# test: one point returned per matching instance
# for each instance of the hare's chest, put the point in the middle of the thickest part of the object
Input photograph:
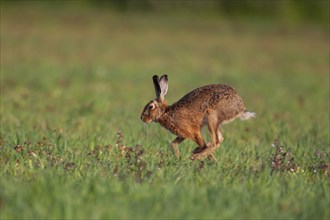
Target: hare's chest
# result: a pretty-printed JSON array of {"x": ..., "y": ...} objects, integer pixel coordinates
[{"x": 178, "y": 126}]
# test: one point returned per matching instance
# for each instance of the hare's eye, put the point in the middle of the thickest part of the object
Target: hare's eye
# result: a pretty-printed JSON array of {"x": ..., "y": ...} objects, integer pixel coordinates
[{"x": 150, "y": 107}]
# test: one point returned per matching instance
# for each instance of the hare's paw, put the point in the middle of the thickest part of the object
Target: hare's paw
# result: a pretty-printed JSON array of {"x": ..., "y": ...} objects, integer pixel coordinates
[
  {"x": 199, "y": 150},
  {"x": 207, "y": 152}
]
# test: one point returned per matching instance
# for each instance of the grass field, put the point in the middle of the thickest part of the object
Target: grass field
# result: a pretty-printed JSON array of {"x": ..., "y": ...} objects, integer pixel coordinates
[{"x": 73, "y": 85}]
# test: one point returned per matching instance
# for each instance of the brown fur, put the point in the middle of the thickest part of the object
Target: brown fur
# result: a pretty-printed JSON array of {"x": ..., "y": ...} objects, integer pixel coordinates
[{"x": 210, "y": 105}]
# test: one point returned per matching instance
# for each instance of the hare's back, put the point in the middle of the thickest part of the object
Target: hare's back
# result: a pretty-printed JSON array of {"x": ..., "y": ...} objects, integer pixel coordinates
[{"x": 219, "y": 97}]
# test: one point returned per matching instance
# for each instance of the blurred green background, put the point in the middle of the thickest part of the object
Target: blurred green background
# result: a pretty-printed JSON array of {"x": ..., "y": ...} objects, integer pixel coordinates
[{"x": 75, "y": 76}]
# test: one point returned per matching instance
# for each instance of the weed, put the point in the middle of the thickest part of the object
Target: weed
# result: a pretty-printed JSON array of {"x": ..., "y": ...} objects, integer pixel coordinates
[
  {"x": 320, "y": 163},
  {"x": 133, "y": 157},
  {"x": 282, "y": 160}
]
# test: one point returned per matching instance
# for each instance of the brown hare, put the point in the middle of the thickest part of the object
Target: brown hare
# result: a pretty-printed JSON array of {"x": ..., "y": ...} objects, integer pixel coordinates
[{"x": 211, "y": 105}]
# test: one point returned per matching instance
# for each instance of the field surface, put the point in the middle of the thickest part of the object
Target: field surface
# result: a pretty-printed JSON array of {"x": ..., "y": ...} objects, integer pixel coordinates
[{"x": 73, "y": 85}]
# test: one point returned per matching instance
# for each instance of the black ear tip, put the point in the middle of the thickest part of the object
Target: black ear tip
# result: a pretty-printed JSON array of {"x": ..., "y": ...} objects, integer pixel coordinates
[
  {"x": 164, "y": 77},
  {"x": 155, "y": 77}
]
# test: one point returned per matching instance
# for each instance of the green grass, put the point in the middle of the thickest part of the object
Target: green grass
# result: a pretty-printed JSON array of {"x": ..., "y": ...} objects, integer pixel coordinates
[{"x": 72, "y": 79}]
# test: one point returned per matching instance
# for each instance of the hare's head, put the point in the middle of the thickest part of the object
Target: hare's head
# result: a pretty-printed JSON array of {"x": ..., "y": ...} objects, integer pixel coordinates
[{"x": 155, "y": 108}]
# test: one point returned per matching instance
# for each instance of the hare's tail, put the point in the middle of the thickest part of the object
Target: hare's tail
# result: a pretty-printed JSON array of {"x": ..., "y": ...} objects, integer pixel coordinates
[{"x": 247, "y": 115}]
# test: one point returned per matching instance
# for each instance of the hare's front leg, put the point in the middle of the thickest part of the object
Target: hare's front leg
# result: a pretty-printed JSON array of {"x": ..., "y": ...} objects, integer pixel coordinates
[
  {"x": 216, "y": 139},
  {"x": 198, "y": 139},
  {"x": 174, "y": 146}
]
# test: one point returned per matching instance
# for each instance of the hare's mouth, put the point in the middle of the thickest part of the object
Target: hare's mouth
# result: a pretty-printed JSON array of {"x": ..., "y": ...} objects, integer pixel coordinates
[{"x": 146, "y": 120}]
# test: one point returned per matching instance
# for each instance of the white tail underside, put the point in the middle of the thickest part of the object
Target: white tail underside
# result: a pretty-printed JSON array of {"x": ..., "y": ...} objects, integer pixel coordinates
[{"x": 246, "y": 115}]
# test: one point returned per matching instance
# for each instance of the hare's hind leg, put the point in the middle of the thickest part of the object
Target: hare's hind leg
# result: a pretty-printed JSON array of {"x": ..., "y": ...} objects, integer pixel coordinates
[
  {"x": 215, "y": 134},
  {"x": 175, "y": 147},
  {"x": 220, "y": 137}
]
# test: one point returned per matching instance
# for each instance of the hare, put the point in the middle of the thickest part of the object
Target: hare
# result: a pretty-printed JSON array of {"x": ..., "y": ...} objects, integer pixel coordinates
[{"x": 211, "y": 105}]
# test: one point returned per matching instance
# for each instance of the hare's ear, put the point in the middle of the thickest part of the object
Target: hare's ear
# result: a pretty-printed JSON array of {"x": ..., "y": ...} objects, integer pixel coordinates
[
  {"x": 163, "y": 83},
  {"x": 155, "y": 80}
]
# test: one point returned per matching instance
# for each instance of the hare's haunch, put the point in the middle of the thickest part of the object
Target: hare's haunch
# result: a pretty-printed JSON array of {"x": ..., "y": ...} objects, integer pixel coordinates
[{"x": 211, "y": 106}]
